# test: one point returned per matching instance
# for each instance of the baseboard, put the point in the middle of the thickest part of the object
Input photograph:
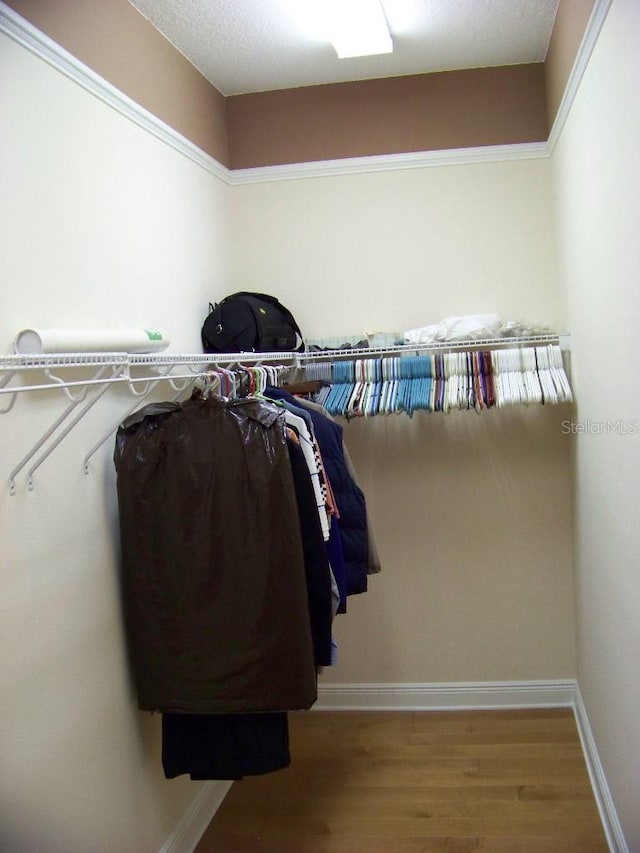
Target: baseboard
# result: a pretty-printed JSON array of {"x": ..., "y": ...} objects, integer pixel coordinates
[
  {"x": 446, "y": 696},
  {"x": 185, "y": 837},
  {"x": 431, "y": 697},
  {"x": 604, "y": 800}
]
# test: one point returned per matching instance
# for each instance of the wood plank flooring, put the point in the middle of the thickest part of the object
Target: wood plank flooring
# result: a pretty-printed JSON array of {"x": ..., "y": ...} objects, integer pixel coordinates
[{"x": 418, "y": 782}]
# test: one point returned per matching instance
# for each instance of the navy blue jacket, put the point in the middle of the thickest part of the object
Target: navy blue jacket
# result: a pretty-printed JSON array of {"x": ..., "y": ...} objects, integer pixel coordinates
[{"x": 350, "y": 499}]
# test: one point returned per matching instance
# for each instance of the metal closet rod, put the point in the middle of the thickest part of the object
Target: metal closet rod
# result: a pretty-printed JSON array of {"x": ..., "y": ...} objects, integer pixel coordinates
[
  {"x": 25, "y": 362},
  {"x": 109, "y": 371},
  {"x": 112, "y": 368},
  {"x": 122, "y": 363},
  {"x": 82, "y": 359}
]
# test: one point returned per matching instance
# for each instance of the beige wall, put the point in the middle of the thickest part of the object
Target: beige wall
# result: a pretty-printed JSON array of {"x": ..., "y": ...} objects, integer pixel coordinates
[
  {"x": 101, "y": 225},
  {"x": 472, "y": 513},
  {"x": 397, "y": 249},
  {"x": 472, "y": 517},
  {"x": 118, "y": 43},
  {"x": 597, "y": 185}
]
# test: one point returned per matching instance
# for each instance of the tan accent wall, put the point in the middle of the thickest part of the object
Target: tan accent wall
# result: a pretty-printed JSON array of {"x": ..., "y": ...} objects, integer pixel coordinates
[
  {"x": 569, "y": 27},
  {"x": 458, "y": 109},
  {"x": 120, "y": 45}
]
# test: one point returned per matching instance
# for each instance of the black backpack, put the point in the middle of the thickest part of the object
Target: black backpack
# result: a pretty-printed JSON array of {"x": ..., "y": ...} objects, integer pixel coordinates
[{"x": 250, "y": 322}]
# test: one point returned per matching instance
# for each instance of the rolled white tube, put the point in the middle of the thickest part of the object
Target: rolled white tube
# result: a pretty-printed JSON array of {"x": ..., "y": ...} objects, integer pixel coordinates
[{"x": 37, "y": 341}]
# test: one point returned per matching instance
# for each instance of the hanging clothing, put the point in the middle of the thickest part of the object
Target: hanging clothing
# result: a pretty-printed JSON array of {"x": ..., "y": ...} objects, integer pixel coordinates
[
  {"x": 306, "y": 443},
  {"x": 349, "y": 497},
  {"x": 224, "y": 746},
  {"x": 317, "y": 569},
  {"x": 331, "y": 535},
  {"x": 374, "y": 565},
  {"x": 213, "y": 573}
]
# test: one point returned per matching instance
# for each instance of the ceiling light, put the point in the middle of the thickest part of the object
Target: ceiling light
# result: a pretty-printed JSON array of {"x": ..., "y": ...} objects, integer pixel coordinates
[{"x": 357, "y": 27}]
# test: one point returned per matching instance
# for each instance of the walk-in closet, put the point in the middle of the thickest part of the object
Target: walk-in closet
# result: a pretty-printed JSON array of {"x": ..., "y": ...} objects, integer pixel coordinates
[{"x": 499, "y": 470}]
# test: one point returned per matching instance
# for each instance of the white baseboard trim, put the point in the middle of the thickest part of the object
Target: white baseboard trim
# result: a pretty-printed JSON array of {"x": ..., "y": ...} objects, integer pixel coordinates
[
  {"x": 604, "y": 800},
  {"x": 493, "y": 695},
  {"x": 446, "y": 696},
  {"x": 187, "y": 834}
]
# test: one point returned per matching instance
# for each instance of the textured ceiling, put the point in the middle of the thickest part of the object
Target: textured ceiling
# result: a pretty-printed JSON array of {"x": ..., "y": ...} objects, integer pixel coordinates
[{"x": 256, "y": 45}]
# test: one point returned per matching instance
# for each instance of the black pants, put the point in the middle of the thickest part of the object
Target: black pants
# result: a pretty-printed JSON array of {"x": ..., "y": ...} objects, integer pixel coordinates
[{"x": 224, "y": 746}]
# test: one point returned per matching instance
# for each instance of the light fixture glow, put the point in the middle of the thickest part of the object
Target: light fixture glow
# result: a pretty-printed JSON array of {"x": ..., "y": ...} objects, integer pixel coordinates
[{"x": 357, "y": 27}]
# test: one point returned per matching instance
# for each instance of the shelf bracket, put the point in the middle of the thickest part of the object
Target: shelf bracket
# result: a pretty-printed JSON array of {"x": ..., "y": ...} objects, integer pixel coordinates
[{"x": 60, "y": 420}]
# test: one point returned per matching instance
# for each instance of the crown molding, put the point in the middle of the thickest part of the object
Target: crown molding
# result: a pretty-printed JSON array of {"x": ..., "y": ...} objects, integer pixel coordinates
[
  {"x": 591, "y": 35},
  {"x": 390, "y": 162},
  {"x": 23, "y": 32},
  {"x": 30, "y": 37}
]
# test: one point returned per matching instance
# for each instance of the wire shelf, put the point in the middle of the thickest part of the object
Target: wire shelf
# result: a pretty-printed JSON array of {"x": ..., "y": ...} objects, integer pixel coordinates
[{"x": 110, "y": 368}]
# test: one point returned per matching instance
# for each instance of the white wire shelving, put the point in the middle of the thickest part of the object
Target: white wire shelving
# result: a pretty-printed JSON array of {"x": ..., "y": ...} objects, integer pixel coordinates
[{"x": 86, "y": 377}]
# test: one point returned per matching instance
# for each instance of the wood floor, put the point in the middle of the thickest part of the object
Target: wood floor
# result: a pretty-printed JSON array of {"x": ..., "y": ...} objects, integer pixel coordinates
[{"x": 418, "y": 782}]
